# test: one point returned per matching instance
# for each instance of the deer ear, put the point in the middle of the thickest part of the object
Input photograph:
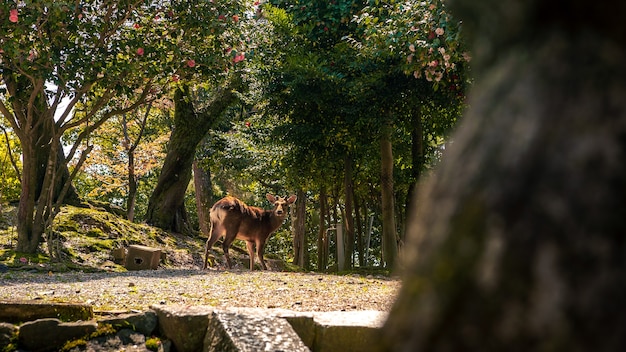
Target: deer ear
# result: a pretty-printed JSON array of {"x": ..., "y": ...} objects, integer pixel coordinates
[
  {"x": 271, "y": 198},
  {"x": 292, "y": 199}
]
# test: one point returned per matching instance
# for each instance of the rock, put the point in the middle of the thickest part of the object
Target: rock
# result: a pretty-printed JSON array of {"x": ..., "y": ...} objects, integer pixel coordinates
[
  {"x": 131, "y": 337},
  {"x": 144, "y": 323},
  {"x": 185, "y": 326},
  {"x": 18, "y": 312},
  {"x": 8, "y": 334},
  {"x": 50, "y": 334},
  {"x": 123, "y": 340},
  {"x": 347, "y": 331},
  {"x": 232, "y": 332}
]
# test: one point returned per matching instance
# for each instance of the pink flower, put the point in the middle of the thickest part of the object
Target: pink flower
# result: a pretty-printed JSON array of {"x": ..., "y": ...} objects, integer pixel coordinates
[
  {"x": 13, "y": 15},
  {"x": 433, "y": 63},
  {"x": 140, "y": 51},
  {"x": 439, "y": 31},
  {"x": 191, "y": 63},
  {"x": 23, "y": 260},
  {"x": 239, "y": 57},
  {"x": 175, "y": 78}
]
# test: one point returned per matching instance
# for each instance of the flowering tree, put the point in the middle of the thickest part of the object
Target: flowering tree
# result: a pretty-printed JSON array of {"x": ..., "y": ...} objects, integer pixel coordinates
[
  {"x": 423, "y": 35},
  {"x": 57, "y": 54}
]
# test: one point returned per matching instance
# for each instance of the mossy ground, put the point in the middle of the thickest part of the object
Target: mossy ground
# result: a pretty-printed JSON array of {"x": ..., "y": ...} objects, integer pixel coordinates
[{"x": 84, "y": 239}]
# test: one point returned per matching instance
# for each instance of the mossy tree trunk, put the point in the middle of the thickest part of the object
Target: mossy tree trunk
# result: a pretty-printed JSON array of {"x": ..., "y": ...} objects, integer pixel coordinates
[{"x": 166, "y": 208}]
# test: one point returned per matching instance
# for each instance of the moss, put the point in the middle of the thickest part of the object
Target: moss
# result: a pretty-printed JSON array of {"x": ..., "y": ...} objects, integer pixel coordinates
[
  {"x": 73, "y": 344},
  {"x": 153, "y": 343},
  {"x": 12, "y": 345}
]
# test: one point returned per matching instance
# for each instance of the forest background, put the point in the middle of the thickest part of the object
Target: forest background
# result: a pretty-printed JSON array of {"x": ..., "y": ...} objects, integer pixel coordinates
[{"x": 157, "y": 109}]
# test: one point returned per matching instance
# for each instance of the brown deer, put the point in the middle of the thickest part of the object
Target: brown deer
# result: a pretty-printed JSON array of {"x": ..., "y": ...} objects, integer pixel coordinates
[{"x": 232, "y": 218}]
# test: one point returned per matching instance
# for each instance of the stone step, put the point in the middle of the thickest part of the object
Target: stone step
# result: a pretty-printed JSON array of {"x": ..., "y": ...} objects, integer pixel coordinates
[
  {"x": 19, "y": 312},
  {"x": 317, "y": 331},
  {"x": 201, "y": 328}
]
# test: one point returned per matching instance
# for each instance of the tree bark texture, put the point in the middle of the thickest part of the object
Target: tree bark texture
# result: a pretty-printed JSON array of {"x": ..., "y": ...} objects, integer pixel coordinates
[
  {"x": 349, "y": 217},
  {"x": 299, "y": 240},
  {"x": 322, "y": 239},
  {"x": 204, "y": 196},
  {"x": 359, "y": 229},
  {"x": 166, "y": 208},
  {"x": 417, "y": 161},
  {"x": 518, "y": 241},
  {"x": 390, "y": 244}
]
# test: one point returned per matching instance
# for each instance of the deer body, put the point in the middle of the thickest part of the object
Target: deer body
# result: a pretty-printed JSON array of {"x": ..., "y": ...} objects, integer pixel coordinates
[{"x": 231, "y": 218}]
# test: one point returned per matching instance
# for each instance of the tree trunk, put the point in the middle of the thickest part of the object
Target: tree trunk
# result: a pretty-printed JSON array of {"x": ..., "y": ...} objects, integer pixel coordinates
[
  {"x": 132, "y": 187},
  {"x": 390, "y": 236},
  {"x": 204, "y": 196},
  {"x": 166, "y": 207},
  {"x": 349, "y": 218},
  {"x": 518, "y": 243},
  {"x": 28, "y": 237},
  {"x": 417, "y": 162},
  {"x": 359, "y": 230},
  {"x": 299, "y": 239},
  {"x": 322, "y": 241}
]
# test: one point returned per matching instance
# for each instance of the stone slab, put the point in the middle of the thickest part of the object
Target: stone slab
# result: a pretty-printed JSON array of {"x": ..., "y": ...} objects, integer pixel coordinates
[
  {"x": 234, "y": 332},
  {"x": 185, "y": 326},
  {"x": 353, "y": 331},
  {"x": 19, "y": 312},
  {"x": 50, "y": 334}
]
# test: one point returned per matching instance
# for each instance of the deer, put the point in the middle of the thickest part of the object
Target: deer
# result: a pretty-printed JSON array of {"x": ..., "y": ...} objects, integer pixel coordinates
[{"x": 231, "y": 218}]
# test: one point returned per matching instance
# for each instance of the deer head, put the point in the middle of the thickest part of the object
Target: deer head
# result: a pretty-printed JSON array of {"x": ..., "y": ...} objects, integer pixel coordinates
[{"x": 280, "y": 204}]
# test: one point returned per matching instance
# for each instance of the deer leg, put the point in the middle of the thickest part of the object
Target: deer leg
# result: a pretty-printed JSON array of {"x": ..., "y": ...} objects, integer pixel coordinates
[
  {"x": 228, "y": 240},
  {"x": 260, "y": 250},
  {"x": 214, "y": 234},
  {"x": 250, "y": 245}
]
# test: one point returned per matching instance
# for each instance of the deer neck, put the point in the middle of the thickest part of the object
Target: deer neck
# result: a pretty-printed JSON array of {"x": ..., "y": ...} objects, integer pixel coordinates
[{"x": 277, "y": 220}]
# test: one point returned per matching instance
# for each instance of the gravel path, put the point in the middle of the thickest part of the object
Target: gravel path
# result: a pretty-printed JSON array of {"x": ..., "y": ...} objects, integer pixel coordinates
[{"x": 139, "y": 290}]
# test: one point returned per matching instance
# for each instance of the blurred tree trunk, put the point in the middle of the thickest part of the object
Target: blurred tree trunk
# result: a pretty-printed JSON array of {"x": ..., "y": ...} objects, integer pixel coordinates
[{"x": 518, "y": 243}]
